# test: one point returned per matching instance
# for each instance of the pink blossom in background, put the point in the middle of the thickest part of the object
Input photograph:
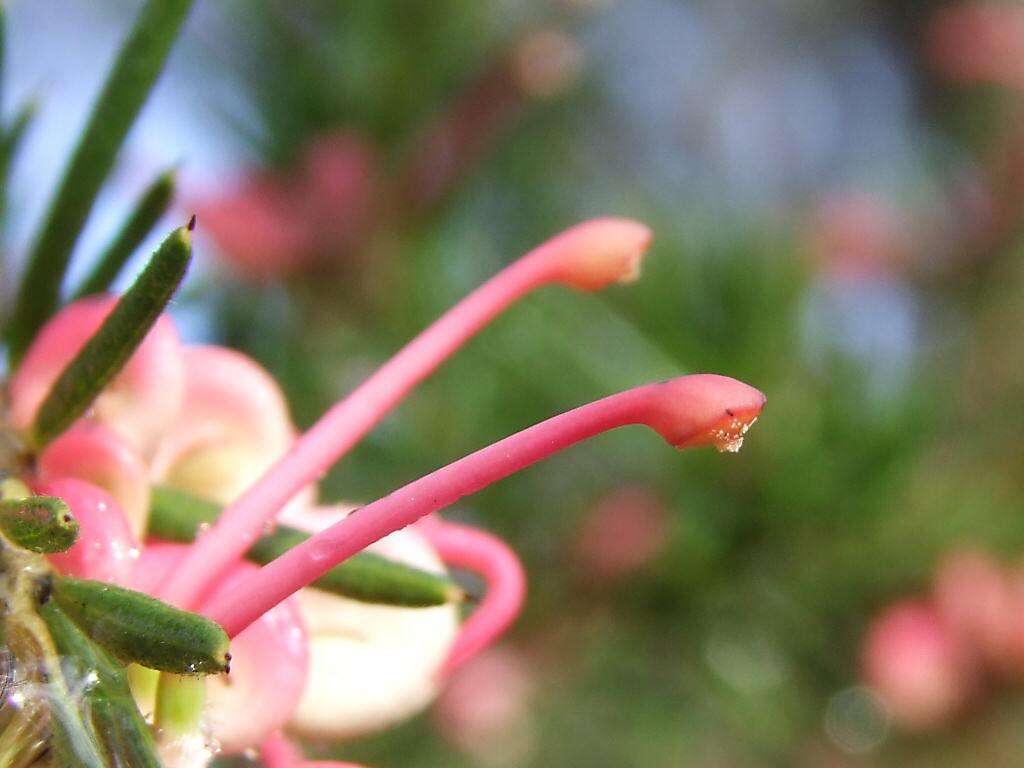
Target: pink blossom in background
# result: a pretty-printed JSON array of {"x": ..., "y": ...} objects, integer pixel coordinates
[
  {"x": 272, "y": 224},
  {"x": 975, "y": 599},
  {"x": 621, "y": 534},
  {"x": 917, "y": 666},
  {"x": 485, "y": 708},
  {"x": 859, "y": 236},
  {"x": 982, "y": 42}
]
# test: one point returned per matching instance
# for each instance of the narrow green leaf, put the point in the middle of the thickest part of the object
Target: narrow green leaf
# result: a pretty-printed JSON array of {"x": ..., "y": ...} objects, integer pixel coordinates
[
  {"x": 153, "y": 204},
  {"x": 106, "y": 352},
  {"x": 10, "y": 141},
  {"x": 138, "y": 64},
  {"x": 123, "y": 732},
  {"x": 135, "y": 627},
  {"x": 38, "y": 523},
  {"x": 367, "y": 577}
]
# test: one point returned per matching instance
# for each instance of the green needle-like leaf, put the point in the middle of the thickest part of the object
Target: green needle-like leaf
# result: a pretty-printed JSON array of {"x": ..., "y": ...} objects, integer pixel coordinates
[
  {"x": 135, "y": 70},
  {"x": 122, "y": 731},
  {"x": 9, "y": 143},
  {"x": 106, "y": 352},
  {"x": 135, "y": 627},
  {"x": 38, "y": 523},
  {"x": 147, "y": 211}
]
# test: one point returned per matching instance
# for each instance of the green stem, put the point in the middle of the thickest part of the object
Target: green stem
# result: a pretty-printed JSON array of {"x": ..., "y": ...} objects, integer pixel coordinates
[
  {"x": 135, "y": 71},
  {"x": 179, "y": 705}
]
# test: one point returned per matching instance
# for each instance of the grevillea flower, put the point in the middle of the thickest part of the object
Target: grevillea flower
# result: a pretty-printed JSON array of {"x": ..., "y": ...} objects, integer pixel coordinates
[
  {"x": 305, "y": 660},
  {"x": 172, "y": 586}
]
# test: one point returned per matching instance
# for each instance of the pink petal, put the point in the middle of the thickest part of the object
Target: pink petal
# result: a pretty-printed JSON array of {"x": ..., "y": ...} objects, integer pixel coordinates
[
  {"x": 235, "y": 425},
  {"x": 91, "y": 452},
  {"x": 138, "y": 404}
]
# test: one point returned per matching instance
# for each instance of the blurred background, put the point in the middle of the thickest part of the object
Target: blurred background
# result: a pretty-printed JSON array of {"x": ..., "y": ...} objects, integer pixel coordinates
[{"x": 836, "y": 189}]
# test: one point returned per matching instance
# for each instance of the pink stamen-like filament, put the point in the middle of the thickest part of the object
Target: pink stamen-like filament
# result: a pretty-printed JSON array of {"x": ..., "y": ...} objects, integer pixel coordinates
[
  {"x": 587, "y": 256},
  {"x": 688, "y": 411},
  {"x": 472, "y": 549}
]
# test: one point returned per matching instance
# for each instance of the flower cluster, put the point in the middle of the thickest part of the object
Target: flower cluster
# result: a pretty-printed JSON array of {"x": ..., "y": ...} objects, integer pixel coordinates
[{"x": 207, "y": 424}]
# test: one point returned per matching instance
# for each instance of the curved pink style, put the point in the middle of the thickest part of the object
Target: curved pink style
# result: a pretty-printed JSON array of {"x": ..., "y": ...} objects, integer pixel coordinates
[
  {"x": 269, "y": 663},
  {"x": 105, "y": 550},
  {"x": 463, "y": 546},
  {"x": 92, "y": 452},
  {"x": 142, "y": 399},
  {"x": 587, "y": 256},
  {"x": 703, "y": 409}
]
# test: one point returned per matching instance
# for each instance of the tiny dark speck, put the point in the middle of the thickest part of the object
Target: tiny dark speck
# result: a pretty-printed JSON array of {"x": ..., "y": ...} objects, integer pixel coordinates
[{"x": 729, "y": 411}]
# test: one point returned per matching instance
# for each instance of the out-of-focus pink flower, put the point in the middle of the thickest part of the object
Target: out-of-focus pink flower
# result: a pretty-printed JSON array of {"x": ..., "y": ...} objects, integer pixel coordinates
[
  {"x": 857, "y": 236},
  {"x": 917, "y": 666},
  {"x": 978, "y": 43},
  {"x": 343, "y": 189},
  {"x": 484, "y": 709},
  {"x": 274, "y": 224},
  {"x": 105, "y": 550},
  {"x": 974, "y": 599},
  {"x": 622, "y": 533}
]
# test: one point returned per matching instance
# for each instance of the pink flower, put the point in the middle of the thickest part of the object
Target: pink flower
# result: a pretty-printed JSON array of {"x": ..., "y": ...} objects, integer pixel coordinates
[
  {"x": 624, "y": 531},
  {"x": 274, "y": 224},
  {"x": 917, "y": 666},
  {"x": 975, "y": 599},
  {"x": 857, "y": 236},
  {"x": 210, "y": 421},
  {"x": 485, "y": 708},
  {"x": 978, "y": 42}
]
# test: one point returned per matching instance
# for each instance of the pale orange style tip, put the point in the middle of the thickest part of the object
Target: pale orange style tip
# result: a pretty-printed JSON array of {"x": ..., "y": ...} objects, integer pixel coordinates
[
  {"x": 706, "y": 409},
  {"x": 599, "y": 252}
]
